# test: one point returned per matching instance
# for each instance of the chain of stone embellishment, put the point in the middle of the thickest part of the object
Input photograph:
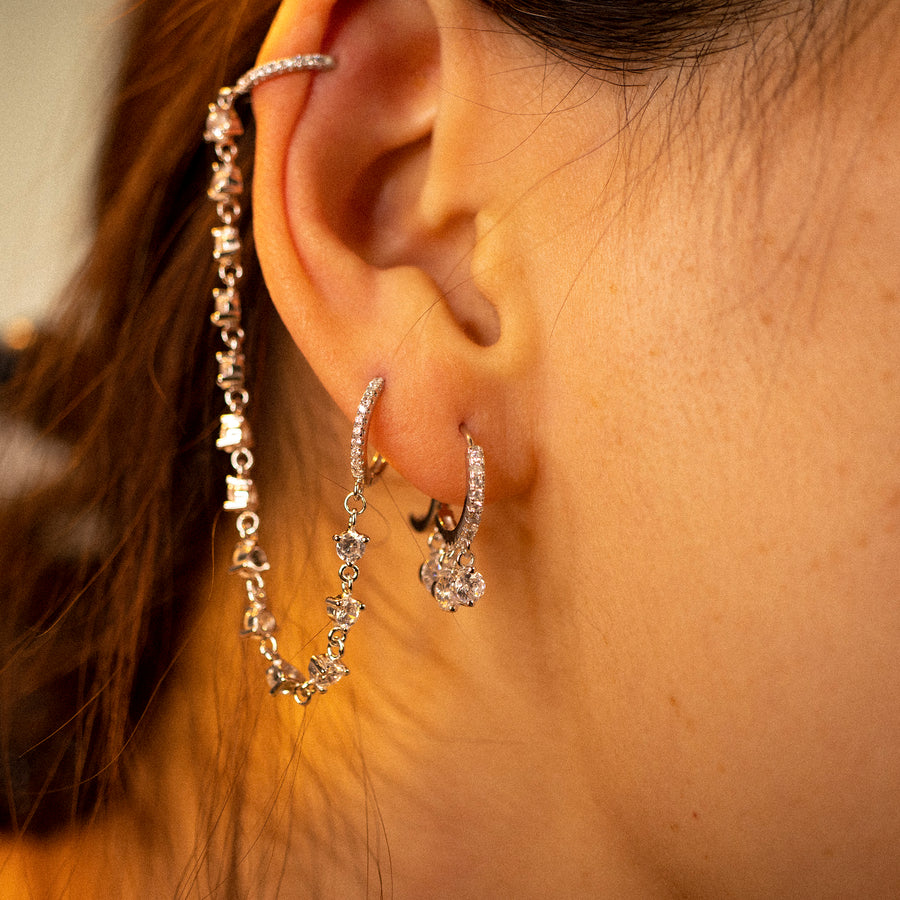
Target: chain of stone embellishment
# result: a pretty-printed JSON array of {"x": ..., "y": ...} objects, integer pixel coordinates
[
  {"x": 449, "y": 573},
  {"x": 249, "y": 560}
]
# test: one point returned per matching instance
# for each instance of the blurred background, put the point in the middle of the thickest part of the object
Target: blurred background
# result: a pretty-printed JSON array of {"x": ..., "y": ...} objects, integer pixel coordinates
[{"x": 56, "y": 66}]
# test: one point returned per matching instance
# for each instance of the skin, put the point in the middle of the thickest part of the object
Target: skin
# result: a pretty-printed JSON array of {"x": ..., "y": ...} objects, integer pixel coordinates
[
  {"x": 669, "y": 313},
  {"x": 675, "y": 336}
]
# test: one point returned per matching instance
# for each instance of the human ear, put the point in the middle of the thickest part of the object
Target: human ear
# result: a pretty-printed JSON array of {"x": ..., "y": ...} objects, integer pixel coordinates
[{"x": 366, "y": 228}]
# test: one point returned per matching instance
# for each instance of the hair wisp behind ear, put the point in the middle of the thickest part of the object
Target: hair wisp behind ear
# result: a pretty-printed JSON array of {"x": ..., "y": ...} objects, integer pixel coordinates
[{"x": 623, "y": 40}]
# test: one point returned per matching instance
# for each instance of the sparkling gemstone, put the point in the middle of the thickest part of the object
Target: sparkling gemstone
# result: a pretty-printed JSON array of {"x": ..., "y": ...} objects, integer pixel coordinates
[
  {"x": 281, "y": 676},
  {"x": 258, "y": 621},
  {"x": 325, "y": 671},
  {"x": 240, "y": 493},
  {"x": 350, "y": 545},
  {"x": 429, "y": 572},
  {"x": 344, "y": 610},
  {"x": 249, "y": 559},
  {"x": 231, "y": 369},
  {"x": 227, "y": 242},
  {"x": 444, "y": 591},
  {"x": 226, "y": 182},
  {"x": 233, "y": 432},
  {"x": 228, "y": 307},
  {"x": 221, "y": 123},
  {"x": 468, "y": 586}
]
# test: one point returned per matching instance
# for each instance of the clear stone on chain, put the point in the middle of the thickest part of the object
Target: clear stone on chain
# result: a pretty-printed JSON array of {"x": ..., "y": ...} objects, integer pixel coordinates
[
  {"x": 240, "y": 493},
  {"x": 324, "y": 671},
  {"x": 350, "y": 545},
  {"x": 282, "y": 676},
  {"x": 227, "y": 242},
  {"x": 258, "y": 621},
  {"x": 226, "y": 182},
  {"x": 468, "y": 586},
  {"x": 344, "y": 610},
  {"x": 228, "y": 307},
  {"x": 234, "y": 432},
  {"x": 231, "y": 369},
  {"x": 222, "y": 123},
  {"x": 249, "y": 559}
]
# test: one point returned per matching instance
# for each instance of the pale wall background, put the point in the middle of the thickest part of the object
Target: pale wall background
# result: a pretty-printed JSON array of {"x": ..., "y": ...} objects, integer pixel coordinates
[{"x": 57, "y": 58}]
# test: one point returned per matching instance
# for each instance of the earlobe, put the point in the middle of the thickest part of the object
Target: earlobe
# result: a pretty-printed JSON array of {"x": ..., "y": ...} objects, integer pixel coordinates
[{"x": 368, "y": 279}]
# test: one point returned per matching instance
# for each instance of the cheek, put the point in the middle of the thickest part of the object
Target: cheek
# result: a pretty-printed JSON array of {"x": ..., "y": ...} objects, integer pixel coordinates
[
  {"x": 738, "y": 460},
  {"x": 747, "y": 534}
]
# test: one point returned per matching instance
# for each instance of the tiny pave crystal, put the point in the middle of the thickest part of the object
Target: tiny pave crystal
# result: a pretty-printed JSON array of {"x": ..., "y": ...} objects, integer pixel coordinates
[
  {"x": 344, "y": 610},
  {"x": 325, "y": 672},
  {"x": 350, "y": 545},
  {"x": 359, "y": 440}
]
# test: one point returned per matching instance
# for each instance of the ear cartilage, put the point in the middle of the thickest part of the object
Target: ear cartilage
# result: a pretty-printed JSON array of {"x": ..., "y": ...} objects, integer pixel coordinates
[
  {"x": 449, "y": 572},
  {"x": 249, "y": 560}
]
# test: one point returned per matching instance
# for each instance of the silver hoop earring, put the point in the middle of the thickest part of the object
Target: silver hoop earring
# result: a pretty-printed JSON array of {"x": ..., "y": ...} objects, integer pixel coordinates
[{"x": 449, "y": 572}]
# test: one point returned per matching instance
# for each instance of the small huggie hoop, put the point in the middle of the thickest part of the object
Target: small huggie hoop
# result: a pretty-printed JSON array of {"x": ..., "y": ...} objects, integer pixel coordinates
[
  {"x": 460, "y": 537},
  {"x": 364, "y": 471},
  {"x": 449, "y": 572}
]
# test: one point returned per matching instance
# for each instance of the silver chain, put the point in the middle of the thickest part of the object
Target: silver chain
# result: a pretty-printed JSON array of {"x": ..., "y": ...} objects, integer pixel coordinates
[{"x": 249, "y": 560}]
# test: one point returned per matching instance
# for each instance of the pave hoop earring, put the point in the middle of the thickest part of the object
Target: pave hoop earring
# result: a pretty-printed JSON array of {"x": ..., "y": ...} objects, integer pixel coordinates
[
  {"x": 249, "y": 560},
  {"x": 449, "y": 572}
]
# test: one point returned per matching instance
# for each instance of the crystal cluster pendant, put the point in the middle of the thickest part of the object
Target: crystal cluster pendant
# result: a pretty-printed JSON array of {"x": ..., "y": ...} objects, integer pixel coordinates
[{"x": 449, "y": 572}]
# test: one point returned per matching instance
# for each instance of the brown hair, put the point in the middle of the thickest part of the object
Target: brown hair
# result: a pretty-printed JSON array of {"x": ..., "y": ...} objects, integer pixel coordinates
[{"x": 97, "y": 578}]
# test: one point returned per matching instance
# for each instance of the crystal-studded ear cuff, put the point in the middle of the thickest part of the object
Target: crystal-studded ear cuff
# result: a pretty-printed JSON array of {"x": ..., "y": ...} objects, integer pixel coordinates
[
  {"x": 449, "y": 572},
  {"x": 249, "y": 560}
]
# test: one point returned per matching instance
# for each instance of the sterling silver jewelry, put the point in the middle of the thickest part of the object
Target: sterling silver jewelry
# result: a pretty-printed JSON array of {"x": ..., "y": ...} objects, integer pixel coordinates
[
  {"x": 249, "y": 560},
  {"x": 449, "y": 572}
]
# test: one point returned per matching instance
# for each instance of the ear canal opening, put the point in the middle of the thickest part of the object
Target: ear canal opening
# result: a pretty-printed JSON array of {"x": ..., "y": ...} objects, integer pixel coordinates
[{"x": 380, "y": 222}]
